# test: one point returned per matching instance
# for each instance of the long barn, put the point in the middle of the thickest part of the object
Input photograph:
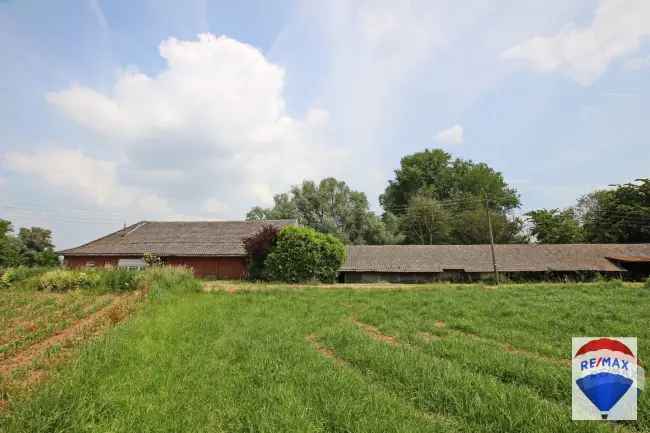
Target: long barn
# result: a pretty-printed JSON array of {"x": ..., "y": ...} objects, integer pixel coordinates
[{"x": 420, "y": 263}]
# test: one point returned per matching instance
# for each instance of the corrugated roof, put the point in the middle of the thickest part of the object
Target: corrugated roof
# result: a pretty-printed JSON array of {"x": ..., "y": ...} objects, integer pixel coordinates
[
  {"x": 177, "y": 238},
  {"x": 477, "y": 258}
]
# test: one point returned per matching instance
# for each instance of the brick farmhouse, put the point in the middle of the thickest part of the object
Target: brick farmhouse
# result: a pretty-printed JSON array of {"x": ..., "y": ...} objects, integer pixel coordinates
[{"x": 213, "y": 249}]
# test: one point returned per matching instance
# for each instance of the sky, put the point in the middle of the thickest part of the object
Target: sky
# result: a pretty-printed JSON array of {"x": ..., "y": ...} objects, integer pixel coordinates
[{"x": 112, "y": 112}]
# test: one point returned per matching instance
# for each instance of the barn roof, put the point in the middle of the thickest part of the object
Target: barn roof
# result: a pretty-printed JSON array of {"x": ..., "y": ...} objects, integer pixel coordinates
[
  {"x": 477, "y": 258},
  {"x": 176, "y": 238}
]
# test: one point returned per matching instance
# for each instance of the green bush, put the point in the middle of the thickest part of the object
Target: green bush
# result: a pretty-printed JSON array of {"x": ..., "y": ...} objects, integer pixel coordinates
[
  {"x": 647, "y": 283},
  {"x": 302, "y": 254},
  {"x": 118, "y": 279},
  {"x": 62, "y": 280},
  {"x": 19, "y": 275}
]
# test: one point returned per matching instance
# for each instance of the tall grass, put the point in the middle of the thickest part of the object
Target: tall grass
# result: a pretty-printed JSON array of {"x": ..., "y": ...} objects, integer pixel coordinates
[
  {"x": 162, "y": 281},
  {"x": 242, "y": 362}
]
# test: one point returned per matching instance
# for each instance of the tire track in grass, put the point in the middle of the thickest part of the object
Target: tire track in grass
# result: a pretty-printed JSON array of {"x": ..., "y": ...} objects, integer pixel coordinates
[
  {"x": 448, "y": 424},
  {"x": 441, "y": 386},
  {"x": 504, "y": 365}
]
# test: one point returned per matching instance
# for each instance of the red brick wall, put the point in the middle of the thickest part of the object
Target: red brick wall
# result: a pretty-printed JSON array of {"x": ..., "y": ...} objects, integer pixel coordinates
[
  {"x": 99, "y": 261},
  {"x": 231, "y": 268}
]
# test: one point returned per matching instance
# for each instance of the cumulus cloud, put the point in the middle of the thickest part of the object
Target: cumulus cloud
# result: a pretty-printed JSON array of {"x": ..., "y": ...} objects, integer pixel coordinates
[
  {"x": 584, "y": 53},
  {"x": 93, "y": 179},
  {"x": 218, "y": 113},
  {"x": 450, "y": 136}
]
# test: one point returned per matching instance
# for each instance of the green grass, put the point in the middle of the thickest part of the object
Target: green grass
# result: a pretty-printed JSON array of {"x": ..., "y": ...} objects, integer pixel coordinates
[{"x": 467, "y": 359}]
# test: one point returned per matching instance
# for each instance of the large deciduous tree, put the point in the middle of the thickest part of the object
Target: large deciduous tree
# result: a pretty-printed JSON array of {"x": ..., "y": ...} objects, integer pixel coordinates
[
  {"x": 555, "y": 226},
  {"x": 328, "y": 207},
  {"x": 438, "y": 199}
]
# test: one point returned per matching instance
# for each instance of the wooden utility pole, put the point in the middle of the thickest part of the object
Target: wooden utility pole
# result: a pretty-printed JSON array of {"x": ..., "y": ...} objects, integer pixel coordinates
[{"x": 494, "y": 259}]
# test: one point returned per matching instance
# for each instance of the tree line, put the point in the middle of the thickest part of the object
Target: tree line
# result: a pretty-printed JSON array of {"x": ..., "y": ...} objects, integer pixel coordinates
[
  {"x": 435, "y": 198},
  {"x": 30, "y": 247}
]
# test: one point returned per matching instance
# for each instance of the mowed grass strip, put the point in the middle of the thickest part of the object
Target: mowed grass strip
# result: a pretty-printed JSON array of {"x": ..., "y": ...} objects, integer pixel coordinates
[{"x": 246, "y": 361}]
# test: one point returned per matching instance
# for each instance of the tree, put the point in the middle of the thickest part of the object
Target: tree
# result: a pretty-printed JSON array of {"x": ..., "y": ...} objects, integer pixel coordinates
[
  {"x": 621, "y": 214},
  {"x": 38, "y": 249},
  {"x": 426, "y": 222},
  {"x": 435, "y": 173},
  {"x": 439, "y": 199},
  {"x": 553, "y": 226},
  {"x": 258, "y": 246},
  {"x": 283, "y": 208},
  {"x": 328, "y": 207},
  {"x": 32, "y": 247},
  {"x": 10, "y": 246},
  {"x": 471, "y": 227}
]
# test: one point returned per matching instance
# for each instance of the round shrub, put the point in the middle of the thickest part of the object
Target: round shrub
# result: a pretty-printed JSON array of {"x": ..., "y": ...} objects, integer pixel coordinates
[{"x": 302, "y": 254}]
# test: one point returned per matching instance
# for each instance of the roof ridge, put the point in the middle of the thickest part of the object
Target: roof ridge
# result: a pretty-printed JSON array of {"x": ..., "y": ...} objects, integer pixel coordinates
[{"x": 99, "y": 239}]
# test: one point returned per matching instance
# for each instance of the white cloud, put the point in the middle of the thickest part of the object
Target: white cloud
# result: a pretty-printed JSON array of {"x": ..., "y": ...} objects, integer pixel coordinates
[
  {"x": 449, "y": 136},
  {"x": 217, "y": 112},
  {"x": 94, "y": 180},
  {"x": 584, "y": 53}
]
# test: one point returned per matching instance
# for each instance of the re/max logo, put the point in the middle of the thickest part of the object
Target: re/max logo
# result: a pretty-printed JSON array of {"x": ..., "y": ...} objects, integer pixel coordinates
[{"x": 604, "y": 361}]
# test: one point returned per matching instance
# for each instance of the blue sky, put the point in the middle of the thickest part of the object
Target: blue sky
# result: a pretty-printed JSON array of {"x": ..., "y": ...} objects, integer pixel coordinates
[{"x": 117, "y": 111}]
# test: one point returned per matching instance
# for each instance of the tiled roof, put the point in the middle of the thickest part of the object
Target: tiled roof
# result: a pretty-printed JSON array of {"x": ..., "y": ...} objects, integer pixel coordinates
[
  {"x": 195, "y": 238},
  {"x": 477, "y": 258}
]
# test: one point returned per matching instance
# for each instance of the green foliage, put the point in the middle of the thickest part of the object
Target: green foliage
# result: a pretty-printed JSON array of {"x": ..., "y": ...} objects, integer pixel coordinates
[
  {"x": 117, "y": 279},
  {"x": 435, "y": 174},
  {"x": 438, "y": 199},
  {"x": 18, "y": 276},
  {"x": 426, "y": 222},
  {"x": 105, "y": 279},
  {"x": 32, "y": 247},
  {"x": 303, "y": 254},
  {"x": 162, "y": 281},
  {"x": 553, "y": 226},
  {"x": 647, "y": 283},
  {"x": 62, "y": 280},
  {"x": 328, "y": 207},
  {"x": 620, "y": 215},
  {"x": 470, "y": 226},
  {"x": 258, "y": 246}
]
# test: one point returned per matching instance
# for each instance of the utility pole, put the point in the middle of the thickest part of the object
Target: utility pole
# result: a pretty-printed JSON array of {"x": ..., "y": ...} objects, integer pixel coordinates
[{"x": 494, "y": 259}]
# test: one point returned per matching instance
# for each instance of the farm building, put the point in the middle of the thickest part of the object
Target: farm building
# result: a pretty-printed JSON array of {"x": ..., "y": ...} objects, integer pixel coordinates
[
  {"x": 420, "y": 263},
  {"x": 212, "y": 248}
]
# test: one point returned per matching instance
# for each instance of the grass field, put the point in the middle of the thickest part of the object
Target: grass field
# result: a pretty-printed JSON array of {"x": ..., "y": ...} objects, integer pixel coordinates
[{"x": 248, "y": 358}]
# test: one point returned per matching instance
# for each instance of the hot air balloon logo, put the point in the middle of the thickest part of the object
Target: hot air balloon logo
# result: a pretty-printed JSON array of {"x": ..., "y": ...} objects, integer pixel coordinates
[{"x": 604, "y": 378}]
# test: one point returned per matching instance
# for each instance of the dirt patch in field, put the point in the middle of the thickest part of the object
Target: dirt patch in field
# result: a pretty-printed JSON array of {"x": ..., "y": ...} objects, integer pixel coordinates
[
  {"x": 440, "y": 324},
  {"x": 40, "y": 356},
  {"x": 325, "y": 351},
  {"x": 376, "y": 334},
  {"x": 507, "y": 347}
]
